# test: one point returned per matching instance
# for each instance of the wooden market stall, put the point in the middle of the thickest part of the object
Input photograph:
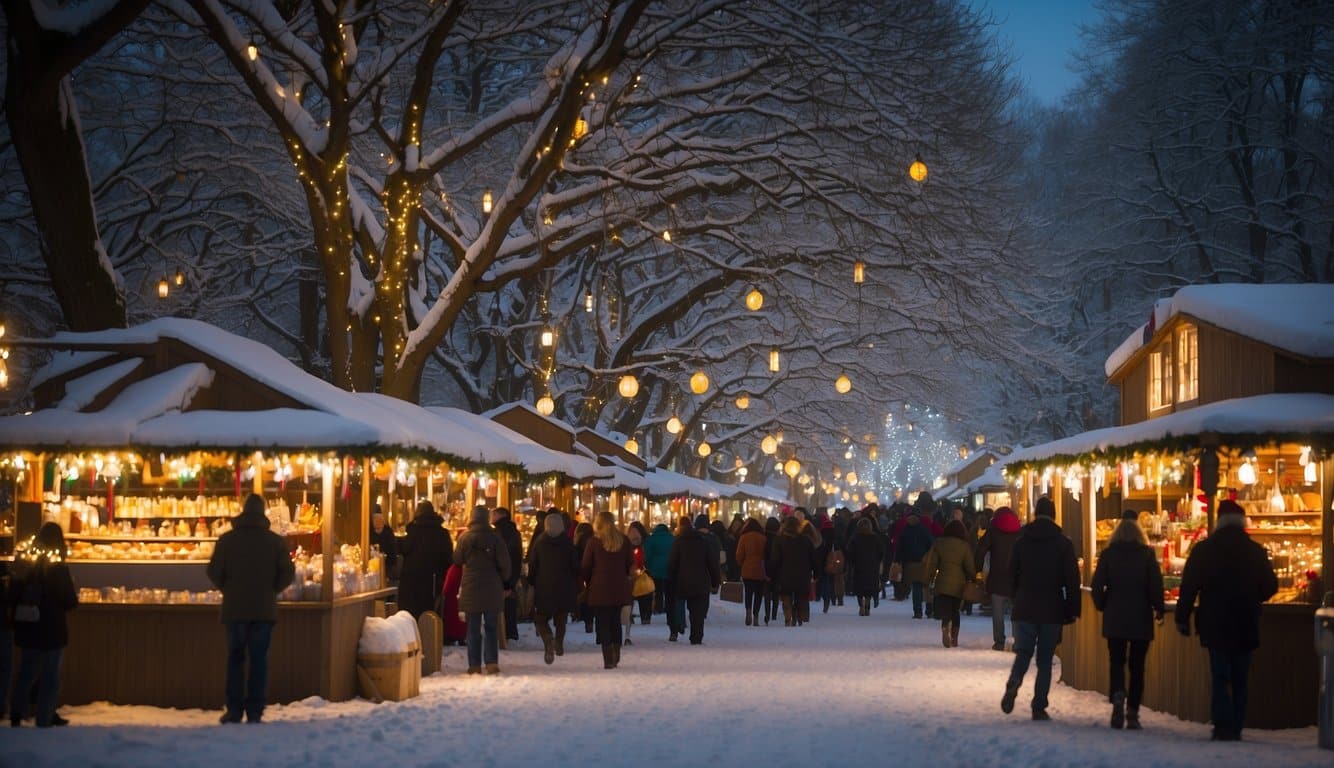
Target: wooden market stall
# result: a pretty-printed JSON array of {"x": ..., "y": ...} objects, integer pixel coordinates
[
  {"x": 143, "y": 444},
  {"x": 1227, "y": 392}
]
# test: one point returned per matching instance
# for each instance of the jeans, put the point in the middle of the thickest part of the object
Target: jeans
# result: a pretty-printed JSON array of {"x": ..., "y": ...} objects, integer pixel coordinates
[
  {"x": 476, "y": 650},
  {"x": 608, "y": 619},
  {"x": 753, "y": 590},
  {"x": 917, "y": 598},
  {"x": 43, "y": 669},
  {"x": 698, "y": 608},
  {"x": 1028, "y": 637},
  {"x": 6, "y": 668},
  {"x": 248, "y": 694},
  {"x": 999, "y": 605},
  {"x": 1230, "y": 688},
  {"x": 1117, "y": 651}
]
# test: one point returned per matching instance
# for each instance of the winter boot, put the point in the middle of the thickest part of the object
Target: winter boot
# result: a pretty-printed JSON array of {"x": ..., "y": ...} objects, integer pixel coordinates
[
  {"x": 548, "y": 648},
  {"x": 607, "y": 662},
  {"x": 1132, "y": 719},
  {"x": 1007, "y": 701},
  {"x": 945, "y": 634},
  {"x": 826, "y": 605},
  {"x": 493, "y": 669},
  {"x": 1118, "y": 710},
  {"x": 755, "y": 619},
  {"x": 789, "y": 618},
  {"x": 615, "y": 655},
  {"x": 748, "y": 619},
  {"x": 560, "y": 644},
  {"x": 954, "y": 634}
]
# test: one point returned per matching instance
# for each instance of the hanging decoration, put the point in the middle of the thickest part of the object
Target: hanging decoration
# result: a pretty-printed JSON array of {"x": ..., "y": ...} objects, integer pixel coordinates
[
  {"x": 774, "y": 366},
  {"x": 629, "y": 386},
  {"x": 163, "y": 288},
  {"x": 843, "y": 384},
  {"x": 699, "y": 383},
  {"x": 743, "y": 401},
  {"x": 792, "y": 468},
  {"x": 754, "y": 300},
  {"x": 705, "y": 449},
  {"x": 918, "y": 170},
  {"x": 545, "y": 405},
  {"x": 674, "y": 425},
  {"x": 769, "y": 445},
  {"x": 632, "y": 445},
  {"x": 487, "y": 200},
  {"x": 859, "y": 272}
]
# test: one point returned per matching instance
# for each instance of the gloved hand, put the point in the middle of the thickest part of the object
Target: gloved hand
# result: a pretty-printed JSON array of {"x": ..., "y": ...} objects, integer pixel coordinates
[{"x": 1184, "y": 628}]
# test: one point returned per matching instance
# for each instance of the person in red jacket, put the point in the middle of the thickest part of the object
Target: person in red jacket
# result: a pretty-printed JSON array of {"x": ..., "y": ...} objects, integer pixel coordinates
[
  {"x": 998, "y": 544},
  {"x": 456, "y": 629}
]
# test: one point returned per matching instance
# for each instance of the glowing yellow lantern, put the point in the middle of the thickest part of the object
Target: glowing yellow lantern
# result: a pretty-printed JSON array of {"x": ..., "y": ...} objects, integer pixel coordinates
[
  {"x": 852, "y": 478},
  {"x": 548, "y": 337},
  {"x": 754, "y": 300},
  {"x": 629, "y": 386},
  {"x": 632, "y": 445},
  {"x": 917, "y": 170},
  {"x": 979, "y": 438},
  {"x": 674, "y": 425},
  {"x": 705, "y": 449},
  {"x": 667, "y": 235},
  {"x": 699, "y": 383},
  {"x": 769, "y": 445},
  {"x": 792, "y": 468},
  {"x": 588, "y": 302},
  {"x": 743, "y": 401},
  {"x": 874, "y": 453},
  {"x": 859, "y": 272},
  {"x": 486, "y": 201},
  {"x": 773, "y": 360},
  {"x": 180, "y": 277},
  {"x": 252, "y": 51},
  {"x": 163, "y": 288},
  {"x": 580, "y": 128},
  {"x": 843, "y": 384},
  {"x": 545, "y": 405}
]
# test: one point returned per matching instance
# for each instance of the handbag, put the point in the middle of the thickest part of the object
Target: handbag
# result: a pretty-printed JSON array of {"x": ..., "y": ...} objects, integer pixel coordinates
[
  {"x": 642, "y": 585},
  {"x": 896, "y": 572},
  {"x": 974, "y": 593}
]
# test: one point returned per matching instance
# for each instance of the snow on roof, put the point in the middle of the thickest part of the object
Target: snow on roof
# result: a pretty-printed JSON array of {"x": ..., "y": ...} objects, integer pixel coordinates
[
  {"x": 963, "y": 464},
  {"x": 525, "y": 406},
  {"x": 1297, "y": 318},
  {"x": 764, "y": 493},
  {"x": 664, "y": 482},
  {"x": 623, "y": 477},
  {"x": 1279, "y": 414},
  {"x": 81, "y": 392},
  {"x": 990, "y": 479},
  {"x": 534, "y": 457},
  {"x": 277, "y": 428},
  {"x": 63, "y": 362}
]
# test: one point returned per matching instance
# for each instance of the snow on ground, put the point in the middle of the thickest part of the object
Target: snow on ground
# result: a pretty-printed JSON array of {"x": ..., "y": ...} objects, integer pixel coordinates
[{"x": 840, "y": 690}]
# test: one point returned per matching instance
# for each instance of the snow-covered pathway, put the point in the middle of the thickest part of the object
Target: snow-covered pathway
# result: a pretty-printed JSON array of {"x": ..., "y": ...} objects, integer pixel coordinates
[{"x": 842, "y": 690}]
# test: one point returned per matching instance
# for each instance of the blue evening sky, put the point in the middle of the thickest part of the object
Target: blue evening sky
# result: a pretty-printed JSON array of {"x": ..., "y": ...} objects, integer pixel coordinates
[{"x": 1041, "y": 35}]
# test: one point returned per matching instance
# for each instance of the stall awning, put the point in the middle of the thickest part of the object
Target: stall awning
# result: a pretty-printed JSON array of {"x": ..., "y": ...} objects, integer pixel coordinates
[
  {"x": 763, "y": 493},
  {"x": 664, "y": 483},
  {"x": 534, "y": 458},
  {"x": 990, "y": 480},
  {"x": 1241, "y": 422},
  {"x": 624, "y": 478}
]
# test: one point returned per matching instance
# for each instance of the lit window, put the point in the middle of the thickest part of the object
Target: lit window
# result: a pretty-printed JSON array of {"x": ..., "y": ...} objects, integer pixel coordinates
[
  {"x": 1160, "y": 377},
  {"x": 1188, "y": 364}
]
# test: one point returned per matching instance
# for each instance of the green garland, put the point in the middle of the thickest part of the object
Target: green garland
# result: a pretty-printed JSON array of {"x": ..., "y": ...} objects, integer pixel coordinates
[{"x": 1322, "y": 444}]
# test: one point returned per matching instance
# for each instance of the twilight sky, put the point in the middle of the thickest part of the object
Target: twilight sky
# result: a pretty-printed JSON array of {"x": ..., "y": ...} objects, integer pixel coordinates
[{"x": 1041, "y": 35}]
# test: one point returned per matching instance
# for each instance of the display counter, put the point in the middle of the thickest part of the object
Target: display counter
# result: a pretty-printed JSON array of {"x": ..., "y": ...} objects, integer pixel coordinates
[
  {"x": 1284, "y": 670},
  {"x": 175, "y": 655}
]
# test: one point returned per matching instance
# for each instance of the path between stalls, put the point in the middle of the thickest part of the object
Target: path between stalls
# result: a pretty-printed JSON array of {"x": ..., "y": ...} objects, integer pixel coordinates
[{"x": 842, "y": 690}]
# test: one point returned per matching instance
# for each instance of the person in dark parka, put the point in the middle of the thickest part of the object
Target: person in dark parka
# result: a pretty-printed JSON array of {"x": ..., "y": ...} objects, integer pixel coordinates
[
  {"x": 486, "y": 569},
  {"x": 792, "y": 564},
  {"x": 914, "y": 543},
  {"x": 41, "y": 592},
  {"x": 553, "y": 570},
  {"x": 1044, "y": 574},
  {"x": 998, "y": 542},
  {"x": 865, "y": 551},
  {"x": 771, "y": 599},
  {"x": 509, "y": 533},
  {"x": 1128, "y": 589},
  {"x": 426, "y": 552},
  {"x": 695, "y": 573},
  {"x": 1232, "y": 576},
  {"x": 383, "y": 537},
  {"x": 251, "y": 565}
]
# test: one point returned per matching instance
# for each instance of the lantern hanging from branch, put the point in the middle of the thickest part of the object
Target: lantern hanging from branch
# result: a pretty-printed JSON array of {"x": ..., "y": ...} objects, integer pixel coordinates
[
  {"x": 917, "y": 170},
  {"x": 632, "y": 445},
  {"x": 743, "y": 401},
  {"x": 874, "y": 453},
  {"x": 705, "y": 449},
  {"x": 252, "y": 50},
  {"x": 629, "y": 386},
  {"x": 545, "y": 405},
  {"x": 163, "y": 288},
  {"x": 180, "y": 277},
  {"x": 792, "y": 468},
  {"x": 486, "y": 201},
  {"x": 754, "y": 300},
  {"x": 843, "y": 384},
  {"x": 588, "y": 302},
  {"x": 774, "y": 362},
  {"x": 769, "y": 445},
  {"x": 674, "y": 425},
  {"x": 859, "y": 272},
  {"x": 699, "y": 383},
  {"x": 548, "y": 337}
]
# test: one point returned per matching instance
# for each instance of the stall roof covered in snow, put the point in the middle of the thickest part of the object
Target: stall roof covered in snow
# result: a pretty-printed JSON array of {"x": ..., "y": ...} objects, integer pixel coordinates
[
  {"x": 535, "y": 458},
  {"x": 1297, "y": 318},
  {"x": 1241, "y": 421},
  {"x": 991, "y": 479},
  {"x": 764, "y": 493},
  {"x": 624, "y": 477},
  {"x": 663, "y": 483}
]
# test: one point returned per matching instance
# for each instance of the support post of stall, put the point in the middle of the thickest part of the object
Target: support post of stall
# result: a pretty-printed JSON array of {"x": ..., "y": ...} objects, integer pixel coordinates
[
  {"x": 327, "y": 529},
  {"x": 1059, "y": 497},
  {"x": 1090, "y": 523},
  {"x": 365, "y": 512},
  {"x": 1207, "y": 463},
  {"x": 257, "y": 480}
]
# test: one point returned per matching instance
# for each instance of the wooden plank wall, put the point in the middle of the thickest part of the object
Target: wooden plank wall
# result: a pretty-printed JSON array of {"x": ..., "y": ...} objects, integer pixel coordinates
[
  {"x": 1135, "y": 394},
  {"x": 1283, "y": 676},
  {"x": 1232, "y": 366}
]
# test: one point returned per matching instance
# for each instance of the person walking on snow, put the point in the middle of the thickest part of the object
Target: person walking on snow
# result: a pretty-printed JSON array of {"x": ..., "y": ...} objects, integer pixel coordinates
[
  {"x": 750, "y": 555},
  {"x": 553, "y": 569},
  {"x": 1045, "y": 577},
  {"x": 1232, "y": 576},
  {"x": 606, "y": 566},
  {"x": 1128, "y": 589},
  {"x": 486, "y": 568},
  {"x": 865, "y": 552},
  {"x": 695, "y": 573},
  {"x": 998, "y": 543},
  {"x": 914, "y": 543},
  {"x": 949, "y": 566}
]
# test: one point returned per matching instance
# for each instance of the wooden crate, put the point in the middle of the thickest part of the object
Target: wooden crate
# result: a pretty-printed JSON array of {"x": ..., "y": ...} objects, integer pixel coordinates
[{"x": 390, "y": 676}]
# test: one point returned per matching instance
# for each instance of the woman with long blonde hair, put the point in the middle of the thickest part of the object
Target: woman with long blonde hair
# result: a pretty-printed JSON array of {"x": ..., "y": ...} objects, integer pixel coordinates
[{"x": 606, "y": 567}]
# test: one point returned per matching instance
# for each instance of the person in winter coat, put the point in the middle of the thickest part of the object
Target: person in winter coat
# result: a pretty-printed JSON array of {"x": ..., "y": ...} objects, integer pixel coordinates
[
  {"x": 634, "y": 534},
  {"x": 638, "y": 536},
  {"x": 1232, "y": 576},
  {"x": 913, "y": 545},
  {"x": 833, "y": 563},
  {"x": 771, "y": 599},
  {"x": 41, "y": 593},
  {"x": 865, "y": 552},
  {"x": 455, "y": 629},
  {"x": 553, "y": 570},
  {"x": 251, "y": 565},
  {"x": 695, "y": 573},
  {"x": 426, "y": 552},
  {"x": 734, "y": 532},
  {"x": 727, "y": 543},
  {"x": 583, "y": 534},
  {"x": 509, "y": 533},
  {"x": 383, "y": 537},
  {"x": 486, "y": 570},
  {"x": 606, "y": 566},
  {"x": 1044, "y": 575},
  {"x": 6, "y": 640},
  {"x": 998, "y": 544},
  {"x": 750, "y": 555},
  {"x": 792, "y": 565},
  {"x": 657, "y": 547},
  {"x": 1128, "y": 590},
  {"x": 949, "y": 566}
]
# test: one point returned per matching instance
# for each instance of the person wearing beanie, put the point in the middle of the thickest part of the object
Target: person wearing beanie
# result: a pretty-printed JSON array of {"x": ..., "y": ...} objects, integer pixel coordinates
[
  {"x": 1044, "y": 575},
  {"x": 553, "y": 570},
  {"x": 250, "y": 564},
  {"x": 998, "y": 545},
  {"x": 1128, "y": 589},
  {"x": 1231, "y": 576},
  {"x": 486, "y": 568}
]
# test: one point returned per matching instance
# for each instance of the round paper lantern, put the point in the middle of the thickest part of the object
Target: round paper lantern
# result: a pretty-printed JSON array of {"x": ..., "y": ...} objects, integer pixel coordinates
[
  {"x": 632, "y": 445},
  {"x": 792, "y": 468},
  {"x": 743, "y": 401},
  {"x": 843, "y": 384},
  {"x": 545, "y": 405},
  {"x": 917, "y": 170},
  {"x": 629, "y": 386},
  {"x": 674, "y": 425},
  {"x": 699, "y": 383},
  {"x": 705, "y": 449},
  {"x": 754, "y": 300},
  {"x": 769, "y": 445},
  {"x": 852, "y": 478},
  {"x": 774, "y": 361}
]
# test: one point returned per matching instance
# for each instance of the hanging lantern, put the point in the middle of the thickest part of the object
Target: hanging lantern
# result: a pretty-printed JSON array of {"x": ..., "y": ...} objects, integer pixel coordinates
[
  {"x": 779, "y": 436},
  {"x": 859, "y": 272},
  {"x": 252, "y": 50},
  {"x": 739, "y": 463},
  {"x": 773, "y": 360},
  {"x": 852, "y": 478},
  {"x": 163, "y": 288},
  {"x": 838, "y": 473},
  {"x": 805, "y": 479},
  {"x": 843, "y": 384},
  {"x": 769, "y": 445},
  {"x": 486, "y": 201},
  {"x": 588, "y": 302},
  {"x": 917, "y": 170},
  {"x": 632, "y": 445},
  {"x": 180, "y": 277},
  {"x": 545, "y": 405},
  {"x": 674, "y": 425},
  {"x": 667, "y": 235},
  {"x": 792, "y": 468},
  {"x": 754, "y": 300},
  {"x": 979, "y": 438},
  {"x": 743, "y": 401},
  {"x": 548, "y": 337},
  {"x": 629, "y": 386},
  {"x": 963, "y": 451},
  {"x": 705, "y": 449},
  {"x": 699, "y": 383},
  {"x": 874, "y": 453},
  {"x": 1246, "y": 473},
  {"x": 580, "y": 128}
]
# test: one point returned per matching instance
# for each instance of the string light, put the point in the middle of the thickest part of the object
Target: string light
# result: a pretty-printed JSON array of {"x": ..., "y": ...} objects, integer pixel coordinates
[
  {"x": 918, "y": 170},
  {"x": 754, "y": 300}
]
